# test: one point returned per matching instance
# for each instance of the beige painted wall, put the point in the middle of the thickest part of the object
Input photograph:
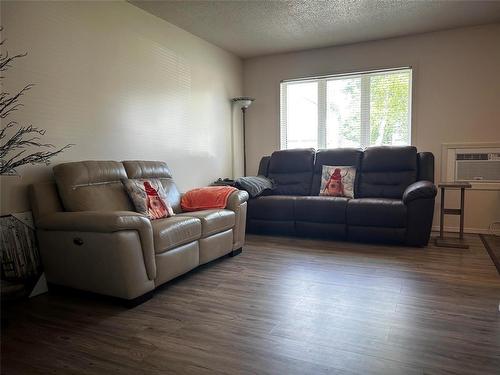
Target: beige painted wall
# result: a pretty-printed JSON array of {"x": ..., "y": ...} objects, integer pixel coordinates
[
  {"x": 120, "y": 84},
  {"x": 456, "y": 95}
]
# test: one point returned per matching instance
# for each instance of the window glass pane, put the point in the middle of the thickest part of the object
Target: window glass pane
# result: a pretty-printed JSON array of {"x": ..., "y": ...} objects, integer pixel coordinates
[
  {"x": 355, "y": 110},
  {"x": 389, "y": 109},
  {"x": 343, "y": 118},
  {"x": 302, "y": 115}
]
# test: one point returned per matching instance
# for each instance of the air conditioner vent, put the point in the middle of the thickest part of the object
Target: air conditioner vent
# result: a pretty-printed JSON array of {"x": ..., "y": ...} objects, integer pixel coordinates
[
  {"x": 478, "y": 156},
  {"x": 472, "y": 156}
]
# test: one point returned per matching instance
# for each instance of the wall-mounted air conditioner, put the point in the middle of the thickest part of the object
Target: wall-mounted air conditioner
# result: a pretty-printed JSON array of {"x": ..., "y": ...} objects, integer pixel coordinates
[{"x": 476, "y": 163}]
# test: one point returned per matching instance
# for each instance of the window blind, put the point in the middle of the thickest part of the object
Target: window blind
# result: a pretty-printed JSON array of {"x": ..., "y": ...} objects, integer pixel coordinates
[{"x": 347, "y": 110}]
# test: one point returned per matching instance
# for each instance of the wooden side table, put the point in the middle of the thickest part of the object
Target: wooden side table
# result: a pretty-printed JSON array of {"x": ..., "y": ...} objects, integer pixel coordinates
[{"x": 452, "y": 242}]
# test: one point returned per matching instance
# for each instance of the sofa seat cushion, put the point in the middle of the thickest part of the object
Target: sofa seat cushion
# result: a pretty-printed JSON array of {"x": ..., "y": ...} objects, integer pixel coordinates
[
  {"x": 376, "y": 212},
  {"x": 272, "y": 207},
  {"x": 212, "y": 221},
  {"x": 321, "y": 209},
  {"x": 174, "y": 231}
]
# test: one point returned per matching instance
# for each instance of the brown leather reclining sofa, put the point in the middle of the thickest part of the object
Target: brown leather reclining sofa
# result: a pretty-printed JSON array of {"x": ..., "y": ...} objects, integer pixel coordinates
[
  {"x": 91, "y": 239},
  {"x": 393, "y": 196}
]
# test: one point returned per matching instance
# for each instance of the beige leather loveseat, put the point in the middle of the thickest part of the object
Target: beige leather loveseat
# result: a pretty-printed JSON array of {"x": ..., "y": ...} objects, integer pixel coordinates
[{"x": 91, "y": 239}]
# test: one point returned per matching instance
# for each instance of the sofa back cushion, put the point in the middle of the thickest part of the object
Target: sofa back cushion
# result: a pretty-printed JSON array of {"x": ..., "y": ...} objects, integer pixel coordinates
[
  {"x": 335, "y": 157},
  {"x": 264, "y": 166},
  {"x": 386, "y": 171},
  {"x": 291, "y": 171},
  {"x": 92, "y": 186},
  {"x": 425, "y": 161},
  {"x": 143, "y": 169}
]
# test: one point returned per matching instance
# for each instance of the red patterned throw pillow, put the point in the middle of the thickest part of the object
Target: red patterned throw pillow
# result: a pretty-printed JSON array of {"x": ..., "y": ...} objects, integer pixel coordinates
[
  {"x": 149, "y": 197},
  {"x": 338, "y": 181}
]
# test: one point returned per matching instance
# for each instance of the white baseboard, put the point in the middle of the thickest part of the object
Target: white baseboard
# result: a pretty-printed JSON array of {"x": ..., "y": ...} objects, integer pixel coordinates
[{"x": 435, "y": 228}]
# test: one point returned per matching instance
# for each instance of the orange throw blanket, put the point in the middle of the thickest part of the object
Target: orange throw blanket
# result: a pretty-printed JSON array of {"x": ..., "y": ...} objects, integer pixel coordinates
[{"x": 206, "y": 198}]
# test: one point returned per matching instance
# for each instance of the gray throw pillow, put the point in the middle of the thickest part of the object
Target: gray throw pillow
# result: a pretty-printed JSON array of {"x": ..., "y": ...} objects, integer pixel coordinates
[{"x": 255, "y": 186}]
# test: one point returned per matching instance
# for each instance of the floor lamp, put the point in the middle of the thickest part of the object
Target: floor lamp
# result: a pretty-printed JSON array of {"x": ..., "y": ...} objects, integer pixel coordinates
[{"x": 243, "y": 102}]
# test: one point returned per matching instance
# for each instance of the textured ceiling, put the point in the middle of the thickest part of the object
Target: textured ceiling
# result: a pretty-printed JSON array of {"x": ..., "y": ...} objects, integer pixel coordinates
[{"x": 253, "y": 28}]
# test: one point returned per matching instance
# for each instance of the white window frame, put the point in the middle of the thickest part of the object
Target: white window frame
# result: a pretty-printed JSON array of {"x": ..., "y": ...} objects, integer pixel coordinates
[{"x": 322, "y": 103}]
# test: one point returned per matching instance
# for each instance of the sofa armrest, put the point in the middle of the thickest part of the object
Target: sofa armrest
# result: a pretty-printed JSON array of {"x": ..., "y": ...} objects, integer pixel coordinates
[
  {"x": 105, "y": 222},
  {"x": 236, "y": 199},
  {"x": 419, "y": 190},
  {"x": 237, "y": 202}
]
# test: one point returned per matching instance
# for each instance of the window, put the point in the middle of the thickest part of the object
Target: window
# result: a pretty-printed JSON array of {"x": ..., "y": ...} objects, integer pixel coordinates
[{"x": 349, "y": 110}]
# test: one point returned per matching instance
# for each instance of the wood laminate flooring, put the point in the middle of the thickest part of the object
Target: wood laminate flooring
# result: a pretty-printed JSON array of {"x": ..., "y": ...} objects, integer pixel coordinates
[
  {"x": 284, "y": 306},
  {"x": 492, "y": 244}
]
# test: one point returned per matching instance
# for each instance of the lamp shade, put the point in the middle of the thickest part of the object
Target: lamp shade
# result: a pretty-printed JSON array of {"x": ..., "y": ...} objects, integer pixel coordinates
[{"x": 243, "y": 101}]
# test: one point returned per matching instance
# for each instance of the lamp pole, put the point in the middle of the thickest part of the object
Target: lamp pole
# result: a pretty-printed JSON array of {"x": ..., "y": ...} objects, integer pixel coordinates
[
  {"x": 244, "y": 102},
  {"x": 244, "y": 110}
]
